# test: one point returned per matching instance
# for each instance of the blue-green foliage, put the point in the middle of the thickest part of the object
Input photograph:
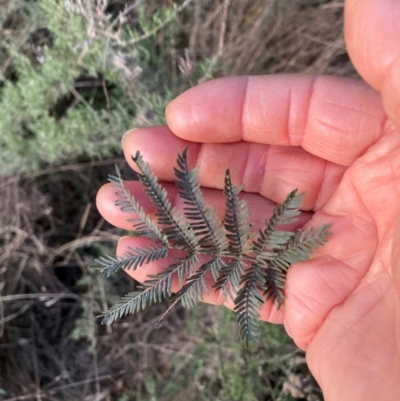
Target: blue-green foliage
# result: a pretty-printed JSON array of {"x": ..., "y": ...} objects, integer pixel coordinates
[{"x": 98, "y": 72}]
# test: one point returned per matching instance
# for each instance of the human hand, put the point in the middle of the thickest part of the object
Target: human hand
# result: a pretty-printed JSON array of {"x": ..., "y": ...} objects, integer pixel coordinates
[{"x": 338, "y": 140}]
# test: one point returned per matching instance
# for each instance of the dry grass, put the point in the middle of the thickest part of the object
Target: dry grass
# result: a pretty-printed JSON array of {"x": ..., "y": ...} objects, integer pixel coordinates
[
  {"x": 274, "y": 36},
  {"x": 49, "y": 233},
  {"x": 46, "y": 288}
]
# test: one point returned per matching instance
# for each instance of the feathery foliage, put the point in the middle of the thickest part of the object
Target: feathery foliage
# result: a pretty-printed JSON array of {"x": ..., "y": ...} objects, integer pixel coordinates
[
  {"x": 248, "y": 271},
  {"x": 74, "y": 74}
]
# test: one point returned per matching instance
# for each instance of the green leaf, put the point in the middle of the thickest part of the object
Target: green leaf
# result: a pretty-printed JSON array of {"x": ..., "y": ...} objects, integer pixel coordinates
[
  {"x": 236, "y": 218},
  {"x": 302, "y": 247},
  {"x": 248, "y": 303},
  {"x": 144, "y": 225},
  {"x": 192, "y": 292},
  {"x": 283, "y": 213},
  {"x": 229, "y": 278},
  {"x": 153, "y": 290},
  {"x": 205, "y": 222},
  {"x": 175, "y": 227},
  {"x": 133, "y": 259},
  {"x": 275, "y": 285}
]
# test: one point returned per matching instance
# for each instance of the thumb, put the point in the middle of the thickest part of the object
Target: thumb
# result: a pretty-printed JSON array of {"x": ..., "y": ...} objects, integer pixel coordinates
[
  {"x": 396, "y": 255},
  {"x": 372, "y": 32}
]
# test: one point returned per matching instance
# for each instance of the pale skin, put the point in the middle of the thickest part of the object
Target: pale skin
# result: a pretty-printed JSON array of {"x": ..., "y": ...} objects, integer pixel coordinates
[{"x": 338, "y": 140}]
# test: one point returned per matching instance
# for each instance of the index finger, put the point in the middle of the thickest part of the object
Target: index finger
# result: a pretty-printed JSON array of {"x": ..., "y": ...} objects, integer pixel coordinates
[{"x": 334, "y": 118}]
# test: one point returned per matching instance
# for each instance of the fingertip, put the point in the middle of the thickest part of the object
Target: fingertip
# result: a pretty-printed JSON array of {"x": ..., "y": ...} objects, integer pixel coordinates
[
  {"x": 126, "y": 243},
  {"x": 126, "y": 135},
  {"x": 200, "y": 113},
  {"x": 144, "y": 140},
  {"x": 123, "y": 245},
  {"x": 176, "y": 115},
  {"x": 158, "y": 146},
  {"x": 105, "y": 200},
  {"x": 106, "y": 204}
]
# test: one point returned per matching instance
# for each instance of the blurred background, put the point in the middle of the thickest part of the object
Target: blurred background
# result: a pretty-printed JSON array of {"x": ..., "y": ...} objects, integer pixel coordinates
[{"x": 74, "y": 76}]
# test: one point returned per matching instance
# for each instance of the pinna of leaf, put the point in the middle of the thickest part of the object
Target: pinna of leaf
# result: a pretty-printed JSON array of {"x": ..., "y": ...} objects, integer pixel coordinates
[{"x": 250, "y": 272}]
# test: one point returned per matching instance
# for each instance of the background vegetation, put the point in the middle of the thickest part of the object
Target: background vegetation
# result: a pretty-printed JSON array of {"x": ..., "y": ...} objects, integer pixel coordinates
[{"x": 75, "y": 75}]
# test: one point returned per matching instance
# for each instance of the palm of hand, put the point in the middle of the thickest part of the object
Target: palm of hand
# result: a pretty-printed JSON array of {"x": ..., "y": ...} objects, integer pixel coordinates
[
  {"x": 341, "y": 306},
  {"x": 345, "y": 311}
]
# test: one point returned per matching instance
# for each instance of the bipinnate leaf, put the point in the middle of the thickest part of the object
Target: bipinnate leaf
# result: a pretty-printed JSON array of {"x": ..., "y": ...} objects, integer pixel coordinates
[
  {"x": 143, "y": 224},
  {"x": 250, "y": 272},
  {"x": 302, "y": 246},
  {"x": 192, "y": 292},
  {"x": 204, "y": 220},
  {"x": 153, "y": 290},
  {"x": 174, "y": 226},
  {"x": 229, "y": 278},
  {"x": 133, "y": 259},
  {"x": 248, "y": 303},
  {"x": 275, "y": 285},
  {"x": 237, "y": 228},
  {"x": 299, "y": 249},
  {"x": 236, "y": 219},
  {"x": 283, "y": 213}
]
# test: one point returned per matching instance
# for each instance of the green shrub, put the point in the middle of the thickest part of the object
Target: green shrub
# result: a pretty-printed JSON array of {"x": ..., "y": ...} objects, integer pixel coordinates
[
  {"x": 76, "y": 75},
  {"x": 218, "y": 367}
]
